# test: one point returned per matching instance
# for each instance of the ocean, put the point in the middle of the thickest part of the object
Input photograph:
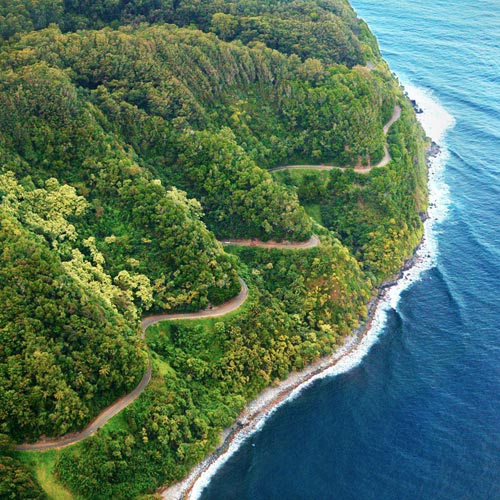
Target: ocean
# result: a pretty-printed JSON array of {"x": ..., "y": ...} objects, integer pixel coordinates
[{"x": 415, "y": 412}]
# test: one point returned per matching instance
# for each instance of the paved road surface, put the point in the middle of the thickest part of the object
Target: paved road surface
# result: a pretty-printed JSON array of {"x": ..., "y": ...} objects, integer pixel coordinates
[{"x": 301, "y": 245}]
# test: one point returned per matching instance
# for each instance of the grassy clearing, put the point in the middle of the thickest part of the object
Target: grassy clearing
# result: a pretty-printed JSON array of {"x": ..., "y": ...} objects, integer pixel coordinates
[
  {"x": 308, "y": 183},
  {"x": 164, "y": 368},
  {"x": 159, "y": 334},
  {"x": 208, "y": 324},
  {"x": 117, "y": 422},
  {"x": 42, "y": 463},
  {"x": 314, "y": 211}
]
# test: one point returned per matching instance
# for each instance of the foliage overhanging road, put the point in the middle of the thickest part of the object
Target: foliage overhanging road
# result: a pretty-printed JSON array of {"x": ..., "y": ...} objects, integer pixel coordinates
[
  {"x": 312, "y": 242},
  {"x": 124, "y": 401},
  {"x": 221, "y": 310}
]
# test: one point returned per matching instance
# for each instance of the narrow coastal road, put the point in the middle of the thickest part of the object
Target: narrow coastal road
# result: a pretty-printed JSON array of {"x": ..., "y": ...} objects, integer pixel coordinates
[
  {"x": 396, "y": 114},
  {"x": 213, "y": 312},
  {"x": 124, "y": 401},
  {"x": 312, "y": 242},
  {"x": 99, "y": 421}
]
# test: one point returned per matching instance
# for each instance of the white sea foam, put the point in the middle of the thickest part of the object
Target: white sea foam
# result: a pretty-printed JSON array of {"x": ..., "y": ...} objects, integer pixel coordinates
[{"x": 435, "y": 121}]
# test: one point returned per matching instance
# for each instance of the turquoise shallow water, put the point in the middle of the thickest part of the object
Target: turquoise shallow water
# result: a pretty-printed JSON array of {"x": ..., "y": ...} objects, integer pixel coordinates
[{"x": 419, "y": 417}]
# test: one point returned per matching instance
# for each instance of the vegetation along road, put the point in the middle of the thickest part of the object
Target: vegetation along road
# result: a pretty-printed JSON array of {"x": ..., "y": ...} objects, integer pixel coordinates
[
  {"x": 223, "y": 309},
  {"x": 312, "y": 242},
  {"x": 124, "y": 401},
  {"x": 358, "y": 168}
]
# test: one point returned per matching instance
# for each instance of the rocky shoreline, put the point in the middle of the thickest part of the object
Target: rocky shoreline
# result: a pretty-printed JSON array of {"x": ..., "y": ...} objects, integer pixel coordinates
[{"x": 272, "y": 397}]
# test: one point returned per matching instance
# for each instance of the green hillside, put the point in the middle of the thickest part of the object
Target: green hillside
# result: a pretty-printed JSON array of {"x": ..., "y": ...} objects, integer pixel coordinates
[{"x": 135, "y": 136}]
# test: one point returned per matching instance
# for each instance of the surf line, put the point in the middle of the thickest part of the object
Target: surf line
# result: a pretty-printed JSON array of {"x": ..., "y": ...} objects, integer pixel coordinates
[
  {"x": 258, "y": 410},
  {"x": 350, "y": 354},
  {"x": 355, "y": 347}
]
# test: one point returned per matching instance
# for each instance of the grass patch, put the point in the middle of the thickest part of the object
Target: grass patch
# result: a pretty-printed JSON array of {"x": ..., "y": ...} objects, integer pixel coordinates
[
  {"x": 115, "y": 423},
  {"x": 295, "y": 176},
  {"x": 198, "y": 331},
  {"x": 207, "y": 324},
  {"x": 310, "y": 186},
  {"x": 314, "y": 211},
  {"x": 163, "y": 368},
  {"x": 42, "y": 464}
]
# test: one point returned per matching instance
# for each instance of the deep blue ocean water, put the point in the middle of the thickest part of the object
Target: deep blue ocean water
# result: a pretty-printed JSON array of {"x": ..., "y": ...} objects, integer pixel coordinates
[{"x": 419, "y": 416}]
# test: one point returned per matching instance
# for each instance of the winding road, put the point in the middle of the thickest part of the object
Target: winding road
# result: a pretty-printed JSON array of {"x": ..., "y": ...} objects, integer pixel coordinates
[
  {"x": 127, "y": 399},
  {"x": 312, "y": 242},
  {"x": 124, "y": 401},
  {"x": 229, "y": 306},
  {"x": 99, "y": 421},
  {"x": 212, "y": 312},
  {"x": 396, "y": 114}
]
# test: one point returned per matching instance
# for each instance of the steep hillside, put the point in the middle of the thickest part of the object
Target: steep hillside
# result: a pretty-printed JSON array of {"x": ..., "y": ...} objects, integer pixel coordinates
[{"x": 134, "y": 138}]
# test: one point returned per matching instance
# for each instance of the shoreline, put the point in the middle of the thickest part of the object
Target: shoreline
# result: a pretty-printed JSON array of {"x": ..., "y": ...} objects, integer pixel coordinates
[
  {"x": 423, "y": 258},
  {"x": 272, "y": 397},
  {"x": 256, "y": 411}
]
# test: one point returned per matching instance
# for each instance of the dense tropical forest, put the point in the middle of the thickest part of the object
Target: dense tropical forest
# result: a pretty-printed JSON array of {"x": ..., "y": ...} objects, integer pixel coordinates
[{"x": 135, "y": 136}]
